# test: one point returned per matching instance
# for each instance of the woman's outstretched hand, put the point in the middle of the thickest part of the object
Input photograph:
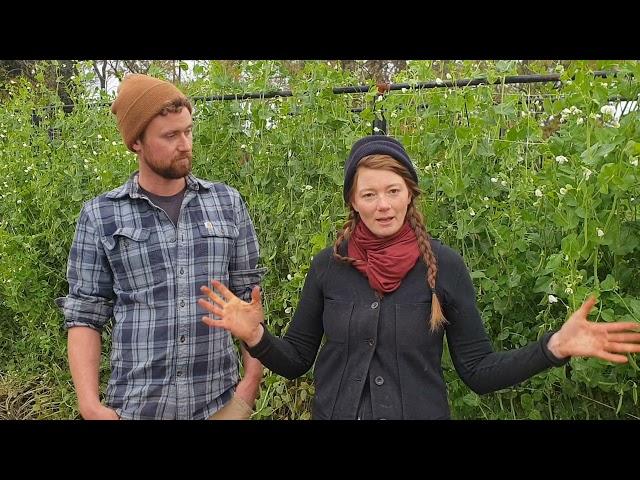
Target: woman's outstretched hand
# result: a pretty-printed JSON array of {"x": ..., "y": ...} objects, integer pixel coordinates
[
  {"x": 242, "y": 319},
  {"x": 579, "y": 337}
]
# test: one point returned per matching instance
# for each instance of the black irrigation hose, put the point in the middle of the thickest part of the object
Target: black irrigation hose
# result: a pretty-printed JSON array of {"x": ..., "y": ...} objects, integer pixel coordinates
[{"x": 467, "y": 82}]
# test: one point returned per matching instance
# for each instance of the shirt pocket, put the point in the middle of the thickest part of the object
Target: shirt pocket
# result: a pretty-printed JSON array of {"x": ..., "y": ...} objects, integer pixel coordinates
[
  {"x": 136, "y": 264},
  {"x": 213, "y": 246}
]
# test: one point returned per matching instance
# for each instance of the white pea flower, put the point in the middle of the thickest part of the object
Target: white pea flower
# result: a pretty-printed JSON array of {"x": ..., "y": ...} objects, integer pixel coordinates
[
  {"x": 427, "y": 168},
  {"x": 568, "y": 290},
  {"x": 439, "y": 81},
  {"x": 379, "y": 99},
  {"x": 600, "y": 232},
  {"x": 289, "y": 277},
  {"x": 486, "y": 199},
  {"x": 538, "y": 193},
  {"x": 403, "y": 90},
  {"x": 561, "y": 159},
  {"x": 243, "y": 146},
  {"x": 448, "y": 76},
  {"x": 634, "y": 162},
  {"x": 19, "y": 201},
  {"x": 99, "y": 137},
  {"x": 553, "y": 299},
  {"x": 563, "y": 191},
  {"x": 503, "y": 183},
  {"x": 308, "y": 187},
  {"x": 609, "y": 110},
  {"x": 494, "y": 180},
  {"x": 287, "y": 310},
  {"x": 579, "y": 121},
  {"x": 472, "y": 212},
  {"x": 586, "y": 173},
  {"x": 376, "y": 129}
]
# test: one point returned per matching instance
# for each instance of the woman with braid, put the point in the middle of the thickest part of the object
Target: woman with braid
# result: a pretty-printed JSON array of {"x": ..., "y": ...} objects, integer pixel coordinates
[{"x": 384, "y": 296}]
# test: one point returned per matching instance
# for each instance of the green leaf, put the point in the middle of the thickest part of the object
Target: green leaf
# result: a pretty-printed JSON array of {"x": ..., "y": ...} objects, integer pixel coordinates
[
  {"x": 608, "y": 284},
  {"x": 477, "y": 274},
  {"x": 543, "y": 285},
  {"x": 471, "y": 399}
]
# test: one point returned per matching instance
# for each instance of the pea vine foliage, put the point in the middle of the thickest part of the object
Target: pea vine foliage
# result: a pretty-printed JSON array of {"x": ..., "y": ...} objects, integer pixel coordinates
[{"x": 536, "y": 185}]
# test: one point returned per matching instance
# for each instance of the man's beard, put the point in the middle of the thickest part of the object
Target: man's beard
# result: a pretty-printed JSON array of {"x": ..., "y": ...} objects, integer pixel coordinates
[{"x": 176, "y": 169}]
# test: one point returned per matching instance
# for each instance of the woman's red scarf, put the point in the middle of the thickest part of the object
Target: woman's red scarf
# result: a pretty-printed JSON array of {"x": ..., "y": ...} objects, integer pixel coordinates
[{"x": 384, "y": 261}]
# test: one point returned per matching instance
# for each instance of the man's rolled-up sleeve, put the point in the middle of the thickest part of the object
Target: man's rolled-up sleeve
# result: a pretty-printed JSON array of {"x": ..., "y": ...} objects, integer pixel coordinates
[{"x": 90, "y": 299}]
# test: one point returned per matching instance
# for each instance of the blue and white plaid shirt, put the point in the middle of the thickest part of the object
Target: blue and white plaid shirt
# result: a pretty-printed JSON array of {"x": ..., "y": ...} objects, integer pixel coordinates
[{"x": 128, "y": 261}]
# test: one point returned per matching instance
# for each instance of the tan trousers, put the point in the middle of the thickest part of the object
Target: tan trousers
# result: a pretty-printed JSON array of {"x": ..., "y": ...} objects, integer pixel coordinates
[{"x": 234, "y": 409}]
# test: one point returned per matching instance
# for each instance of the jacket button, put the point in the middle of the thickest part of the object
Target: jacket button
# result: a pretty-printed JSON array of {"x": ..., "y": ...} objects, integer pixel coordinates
[
  {"x": 374, "y": 305},
  {"x": 378, "y": 380},
  {"x": 182, "y": 339},
  {"x": 371, "y": 342}
]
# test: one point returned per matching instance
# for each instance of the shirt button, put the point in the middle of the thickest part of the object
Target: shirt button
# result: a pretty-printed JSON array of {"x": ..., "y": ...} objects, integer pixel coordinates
[
  {"x": 179, "y": 373},
  {"x": 374, "y": 305},
  {"x": 182, "y": 303},
  {"x": 181, "y": 271},
  {"x": 172, "y": 239},
  {"x": 182, "y": 339},
  {"x": 371, "y": 342},
  {"x": 378, "y": 380}
]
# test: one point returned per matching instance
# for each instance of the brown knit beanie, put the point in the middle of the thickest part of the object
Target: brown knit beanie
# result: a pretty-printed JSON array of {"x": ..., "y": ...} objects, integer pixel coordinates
[{"x": 140, "y": 98}]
